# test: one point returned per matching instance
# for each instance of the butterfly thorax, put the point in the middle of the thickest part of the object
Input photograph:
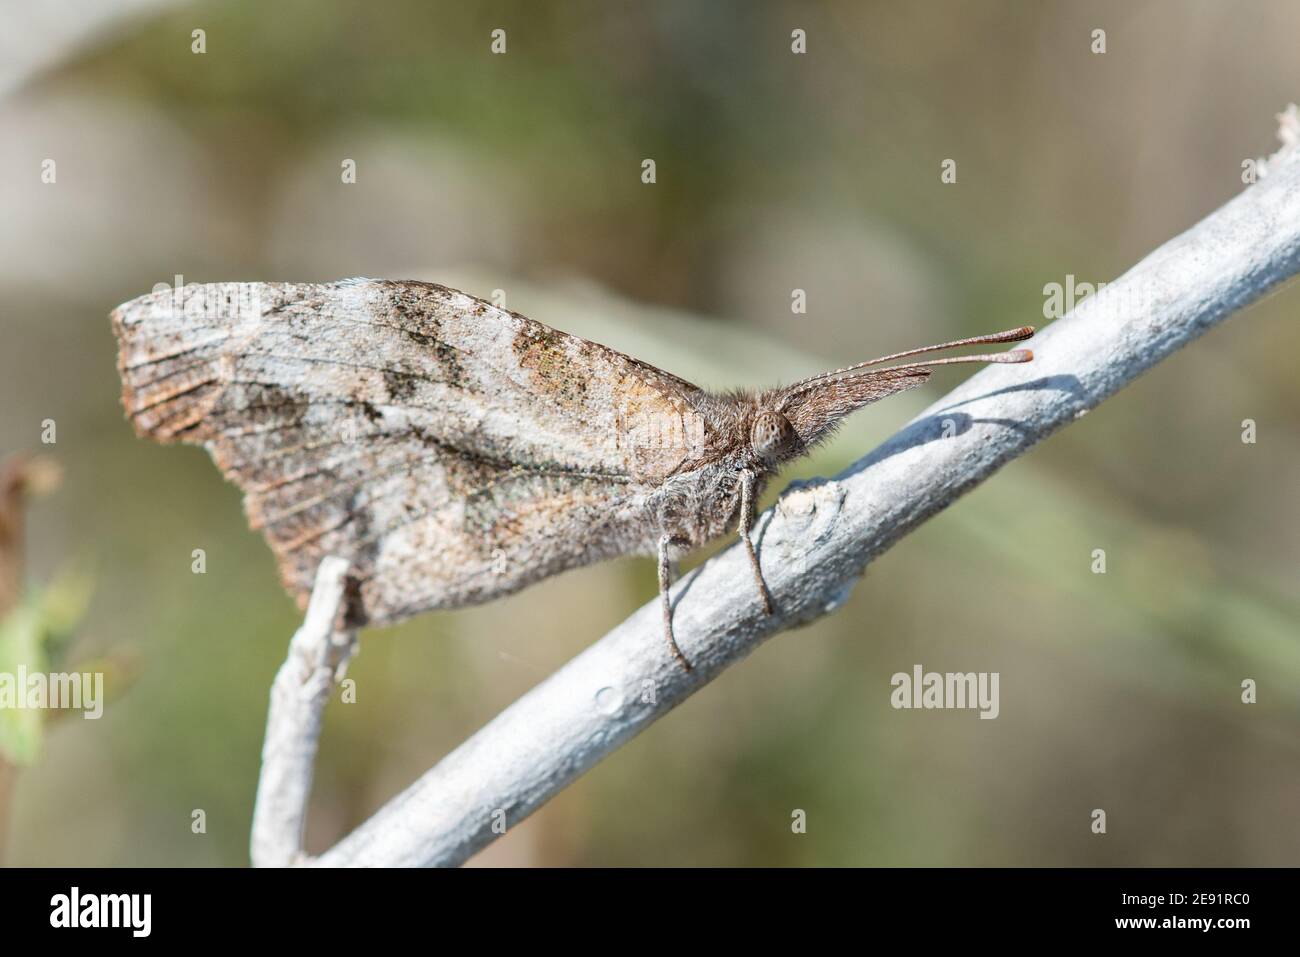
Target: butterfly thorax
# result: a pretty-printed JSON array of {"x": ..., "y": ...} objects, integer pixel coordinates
[{"x": 702, "y": 502}]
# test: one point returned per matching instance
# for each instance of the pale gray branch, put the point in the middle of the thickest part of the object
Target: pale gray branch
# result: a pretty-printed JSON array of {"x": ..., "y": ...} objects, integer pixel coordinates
[
  {"x": 820, "y": 536},
  {"x": 318, "y": 653}
]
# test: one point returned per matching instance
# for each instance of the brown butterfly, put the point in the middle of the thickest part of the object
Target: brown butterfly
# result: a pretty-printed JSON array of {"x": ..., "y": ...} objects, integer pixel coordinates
[{"x": 455, "y": 452}]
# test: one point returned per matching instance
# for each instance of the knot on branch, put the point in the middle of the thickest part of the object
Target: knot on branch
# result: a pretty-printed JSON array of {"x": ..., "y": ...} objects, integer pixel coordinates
[{"x": 1288, "y": 134}]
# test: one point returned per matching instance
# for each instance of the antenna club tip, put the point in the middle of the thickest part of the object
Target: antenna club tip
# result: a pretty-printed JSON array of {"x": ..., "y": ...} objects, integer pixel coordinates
[
  {"x": 1024, "y": 355},
  {"x": 1011, "y": 335}
]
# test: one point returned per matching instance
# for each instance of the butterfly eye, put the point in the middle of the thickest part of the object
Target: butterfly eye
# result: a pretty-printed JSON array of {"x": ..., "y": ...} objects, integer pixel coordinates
[{"x": 770, "y": 433}]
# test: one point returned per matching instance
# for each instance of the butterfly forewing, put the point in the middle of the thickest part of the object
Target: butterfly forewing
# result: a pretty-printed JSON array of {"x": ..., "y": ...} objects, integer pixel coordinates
[{"x": 451, "y": 450}]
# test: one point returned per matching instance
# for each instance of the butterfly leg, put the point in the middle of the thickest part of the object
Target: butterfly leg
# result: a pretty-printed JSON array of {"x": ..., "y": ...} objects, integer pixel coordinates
[
  {"x": 746, "y": 522},
  {"x": 665, "y": 579}
]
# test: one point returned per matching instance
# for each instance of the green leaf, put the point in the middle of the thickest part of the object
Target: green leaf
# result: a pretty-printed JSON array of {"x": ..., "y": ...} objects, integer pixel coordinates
[
  {"x": 30, "y": 637},
  {"x": 21, "y": 652},
  {"x": 61, "y": 605}
]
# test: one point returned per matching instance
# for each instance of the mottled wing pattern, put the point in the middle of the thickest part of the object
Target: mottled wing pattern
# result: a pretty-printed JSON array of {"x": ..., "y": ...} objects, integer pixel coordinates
[{"x": 453, "y": 451}]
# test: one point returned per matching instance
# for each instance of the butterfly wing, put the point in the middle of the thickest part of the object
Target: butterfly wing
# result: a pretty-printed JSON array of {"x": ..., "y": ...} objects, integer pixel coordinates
[{"x": 451, "y": 450}]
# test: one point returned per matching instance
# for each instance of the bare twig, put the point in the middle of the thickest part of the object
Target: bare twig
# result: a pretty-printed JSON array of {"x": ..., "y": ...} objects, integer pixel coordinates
[
  {"x": 816, "y": 542},
  {"x": 318, "y": 654}
]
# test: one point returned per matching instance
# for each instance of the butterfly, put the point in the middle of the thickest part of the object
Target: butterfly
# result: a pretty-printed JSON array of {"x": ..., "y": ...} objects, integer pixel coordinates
[{"x": 455, "y": 452}]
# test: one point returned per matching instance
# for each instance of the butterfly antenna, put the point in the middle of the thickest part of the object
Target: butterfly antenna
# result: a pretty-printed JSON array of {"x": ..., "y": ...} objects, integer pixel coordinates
[
  {"x": 1015, "y": 355},
  {"x": 1008, "y": 335}
]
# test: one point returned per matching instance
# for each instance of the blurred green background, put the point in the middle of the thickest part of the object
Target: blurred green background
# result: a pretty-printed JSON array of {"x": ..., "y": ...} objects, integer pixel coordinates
[{"x": 775, "y": 171}]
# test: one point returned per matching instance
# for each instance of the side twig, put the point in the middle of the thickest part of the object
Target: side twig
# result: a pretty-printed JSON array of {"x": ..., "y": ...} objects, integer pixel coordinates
[{"x": 318, "y": 655}]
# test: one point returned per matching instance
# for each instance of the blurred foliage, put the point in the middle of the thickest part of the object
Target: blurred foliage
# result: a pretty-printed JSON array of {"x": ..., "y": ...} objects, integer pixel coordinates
[
  {"x": 775, "y": 172},
  {"x": 34, "y": 637}
]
